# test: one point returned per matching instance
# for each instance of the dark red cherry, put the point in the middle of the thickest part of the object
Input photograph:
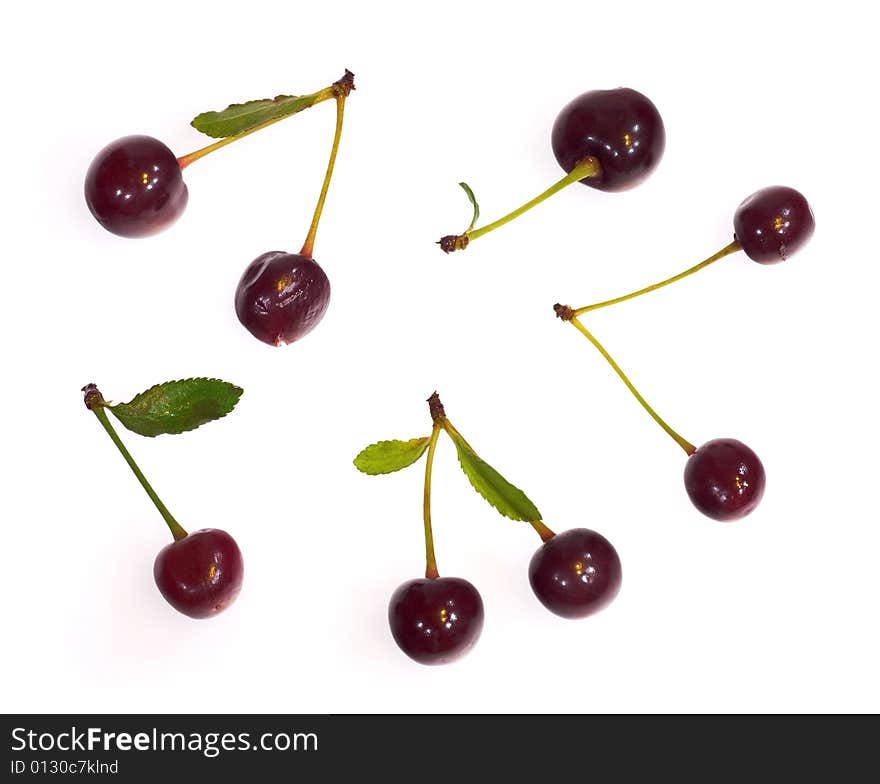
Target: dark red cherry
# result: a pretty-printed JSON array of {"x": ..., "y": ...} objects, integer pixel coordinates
[
  {"x": 724, "y": 479},
  {"x": 435, "y": 621},
  {"x": 135, "y": 187},
  {"x": 201, "y": 574},
  {"x": 773, "y": 223},
  {"x": 620, "y": 127},
  {"x": 575, "y": 573},
  {"x": 282, "y": 296}
]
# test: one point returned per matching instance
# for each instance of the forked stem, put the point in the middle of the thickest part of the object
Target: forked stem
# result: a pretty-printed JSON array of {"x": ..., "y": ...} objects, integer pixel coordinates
[
  {"x": 95, "y": 403},
  {"x": 430, "y": 559},
  {"x": 588, "y": 167},
  {"x": 725, "y": 251},
  {"x": 568, "y": 315},
  {"x": 309, "y": 244}
]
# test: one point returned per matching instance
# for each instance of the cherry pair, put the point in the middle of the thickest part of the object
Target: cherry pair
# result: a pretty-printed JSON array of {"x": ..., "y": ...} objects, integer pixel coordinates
[
  {"x": 135, "y": 188},
  {"x": 724, "y": 478},
  {"x": 435, "y": 620}
]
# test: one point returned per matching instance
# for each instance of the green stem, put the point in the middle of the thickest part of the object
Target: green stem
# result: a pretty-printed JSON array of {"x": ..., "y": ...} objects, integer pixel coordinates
[
  {"x": 543, "y": 531},
  {"x": 186, "y": 160},
  {"x": 588, "y": 167},
  {"x": 725, "y": 251},
  {"x": 430, "y": 559},
  {"x": 177, "y": 531},
  {"x": 309, "y": 244},
  {"x": 688, "y": 447}
]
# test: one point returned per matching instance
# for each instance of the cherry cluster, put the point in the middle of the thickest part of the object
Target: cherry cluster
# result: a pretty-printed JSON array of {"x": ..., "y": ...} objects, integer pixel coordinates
[{"x": 610, "y": 140}]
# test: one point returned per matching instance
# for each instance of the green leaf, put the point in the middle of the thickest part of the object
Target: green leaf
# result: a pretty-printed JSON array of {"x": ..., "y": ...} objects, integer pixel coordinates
[
  {"x": 241, "y": 117},
  {"x": 473, "y": 200},
  {"x": 177, "y": 406},
  {"x": 507, "y": 499},
  {"x": 385, "y": 457}
]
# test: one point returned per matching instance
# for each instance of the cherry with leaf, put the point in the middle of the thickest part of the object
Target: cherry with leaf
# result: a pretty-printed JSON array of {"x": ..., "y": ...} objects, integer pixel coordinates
[
  {"x": 724, "y": 478},
  {"x": 436, "y": 620},
  {"x": 610, "y": 140},
  {"x": 282, "y": 296},
  {"x": 199, "y": 573},
  {"x": 134, "y": 186}
]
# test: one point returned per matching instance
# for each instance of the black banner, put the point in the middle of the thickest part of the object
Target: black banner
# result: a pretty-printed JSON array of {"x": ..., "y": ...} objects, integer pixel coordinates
[{"x": 138, "y": 748}]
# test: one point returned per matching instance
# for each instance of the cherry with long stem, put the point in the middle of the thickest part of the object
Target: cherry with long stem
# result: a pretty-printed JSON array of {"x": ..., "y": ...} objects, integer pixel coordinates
[
  {"x": 281, "y": 297},
  {"x": 435, "y": 620},
  {"x": 607, "y": 139},
  {"x": 724, "y": 478},
  {"x": 199, "y": 573},
  {"x": 769, "y": 226}
]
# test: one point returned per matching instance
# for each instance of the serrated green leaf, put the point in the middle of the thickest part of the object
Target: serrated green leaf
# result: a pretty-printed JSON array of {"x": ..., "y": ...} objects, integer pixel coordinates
[
  {"x": 177, "y": 406},
  {"x": 385, "y": 457},
  {"x": 507, "y": 499},
  {"x": 240, "y": 117},
  {"x": 473, "y": 199}
]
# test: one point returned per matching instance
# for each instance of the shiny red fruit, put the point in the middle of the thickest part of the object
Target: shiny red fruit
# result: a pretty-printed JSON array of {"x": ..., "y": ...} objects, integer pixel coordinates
[
  {"x": 200, "y": 575},
  {"x": 282, "y": 296},
  {"x": 773, "y": 223},
  {"x": 134, "y": 187},
  {"x": 621, "y": 128},
  {"x": 724, "y": 479},
  {"x": 436, "y": 621},
  {"x": 575, "y": 573}
]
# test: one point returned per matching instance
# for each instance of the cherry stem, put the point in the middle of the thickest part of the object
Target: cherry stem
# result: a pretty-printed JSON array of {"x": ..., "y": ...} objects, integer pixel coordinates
[
  {"x": 431, "y": 572},
  {"x": 453, "y": 433},
  {"x": 588, "y": 167},
  {"x": 543, "y": 531},
  {"x": 95, "y": 402},
  {"x": 725, "y": 251},
  {"x": 309, "y": 244},
  {"x": 186, "y": 160},
  {"x": 688, "y": 447}
]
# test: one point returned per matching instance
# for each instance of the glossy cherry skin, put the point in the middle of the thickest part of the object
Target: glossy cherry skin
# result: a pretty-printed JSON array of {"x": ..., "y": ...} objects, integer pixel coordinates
[
  {"x": 724, "y": 479},
  {"x": 436, "y": 621},
  {"x": 773, "y": 223},
  {"x": 620, "y": 127},
  {"x": 135, "y": 187},
  {"x": 575, "y": 573},
  {"x": 282, "y": 296},
  {"x": 200, "y": 575}
]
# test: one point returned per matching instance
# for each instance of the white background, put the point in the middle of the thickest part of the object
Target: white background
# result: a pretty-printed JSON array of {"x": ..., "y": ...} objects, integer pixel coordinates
[{"x": 774, "y": 613}]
